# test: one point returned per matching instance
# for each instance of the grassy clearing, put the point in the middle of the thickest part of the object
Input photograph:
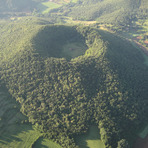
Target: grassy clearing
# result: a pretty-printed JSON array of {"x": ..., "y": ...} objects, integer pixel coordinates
[
  {"x": 45, "y": 7},
  {"x": 72, "y": 50},
  {"x": 19, "y": 136},
  {"x": 91, "y": 139},
  {"x": 41, "y": 142}
]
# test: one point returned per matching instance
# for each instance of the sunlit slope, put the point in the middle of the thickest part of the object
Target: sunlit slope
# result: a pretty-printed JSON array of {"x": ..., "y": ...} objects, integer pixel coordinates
[{"x": 62, "y": 92}]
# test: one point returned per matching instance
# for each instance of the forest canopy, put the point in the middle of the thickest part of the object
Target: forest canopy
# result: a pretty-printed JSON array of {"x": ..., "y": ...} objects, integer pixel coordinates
[{"x": 62, "y": 96}]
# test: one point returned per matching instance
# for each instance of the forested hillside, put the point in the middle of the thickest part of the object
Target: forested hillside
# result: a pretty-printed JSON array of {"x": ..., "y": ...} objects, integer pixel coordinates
[
  {"x": 61, "y": 94},
  {"x": 119, "y": 12}
]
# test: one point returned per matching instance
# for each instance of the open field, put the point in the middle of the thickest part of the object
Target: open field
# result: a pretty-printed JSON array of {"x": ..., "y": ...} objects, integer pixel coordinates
[
  {"x": 18, "y": 136},
  {"x": 45, "y": 143},
  {"x": 91, "y": 139},
  {"x": 45, "y": 7}
]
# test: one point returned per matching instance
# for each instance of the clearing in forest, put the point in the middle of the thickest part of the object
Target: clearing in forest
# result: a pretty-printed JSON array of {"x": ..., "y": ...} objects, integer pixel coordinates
[{"x": 91, "y": 139}]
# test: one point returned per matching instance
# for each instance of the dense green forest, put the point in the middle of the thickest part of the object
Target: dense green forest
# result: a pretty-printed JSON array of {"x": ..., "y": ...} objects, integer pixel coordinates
[{"x": 105, "y": 85}]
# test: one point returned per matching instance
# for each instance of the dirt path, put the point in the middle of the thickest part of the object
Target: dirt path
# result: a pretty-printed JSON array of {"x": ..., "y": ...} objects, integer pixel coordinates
[{"x": 141, "y": 143}]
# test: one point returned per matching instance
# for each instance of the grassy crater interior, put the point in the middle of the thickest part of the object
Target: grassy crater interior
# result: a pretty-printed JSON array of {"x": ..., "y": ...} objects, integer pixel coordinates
[{"x": 60, "y": 42}]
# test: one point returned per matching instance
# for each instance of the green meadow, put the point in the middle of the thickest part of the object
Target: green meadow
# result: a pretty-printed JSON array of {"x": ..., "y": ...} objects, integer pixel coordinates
[
  {"x": 91, "y": 139},
  {"x": 72, "y": 50},
  {"x": 45, "y": 143},
  {"x": 45, "y": 7}
]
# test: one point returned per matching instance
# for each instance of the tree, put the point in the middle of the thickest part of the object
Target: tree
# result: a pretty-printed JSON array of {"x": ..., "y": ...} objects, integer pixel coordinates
[{"x": 123, "y": 143}]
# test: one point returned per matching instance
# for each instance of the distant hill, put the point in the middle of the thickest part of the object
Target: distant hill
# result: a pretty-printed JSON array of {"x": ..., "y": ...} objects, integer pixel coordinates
[
  {"x": 15, "y": 5},
  {"x": 19, "y": 5},
  {"x": 116, "y": 12},
  {"x": 119, "y": 12},
  {"x": 68, "y": 77}
]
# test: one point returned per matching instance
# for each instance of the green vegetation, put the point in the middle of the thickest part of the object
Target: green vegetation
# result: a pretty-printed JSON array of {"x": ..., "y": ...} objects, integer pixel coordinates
[
  {"x": 14, "y": 132},
  {"x": 19, "y": 136},
  {"x": 144, "y": 132},
  {"x": 59, "y": 41},
  {"x": 42, "y": 142},
  {"x": 90, "y": 139},
  {"x": 45, "y": 7},
  {"x": 63, "y": 96},
  {"x": 72, "y": 50},
  {"x": 120, "y": 13},
  {"x": 67, "y": 78}
]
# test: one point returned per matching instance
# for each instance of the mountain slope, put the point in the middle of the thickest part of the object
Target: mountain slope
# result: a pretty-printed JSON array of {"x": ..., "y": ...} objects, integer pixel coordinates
[
  {"x": 62, "y": 96},
  {"x": 119, "y": 12}
]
